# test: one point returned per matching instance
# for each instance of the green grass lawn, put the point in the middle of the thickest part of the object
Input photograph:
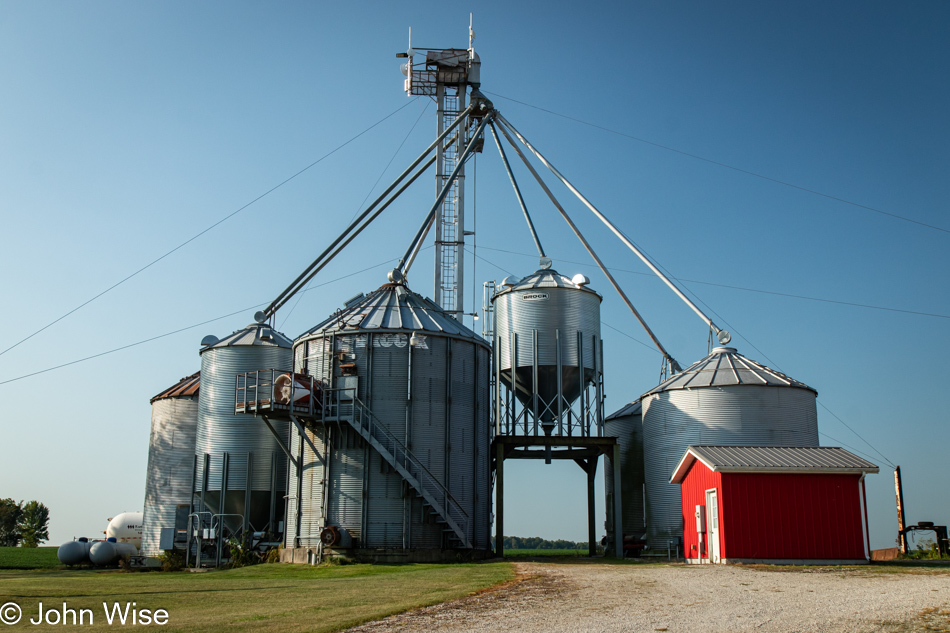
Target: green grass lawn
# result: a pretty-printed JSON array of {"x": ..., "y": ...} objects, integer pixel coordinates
[
  {"x": 285, "y": 598},
  {"x": 28, "y": 558}
]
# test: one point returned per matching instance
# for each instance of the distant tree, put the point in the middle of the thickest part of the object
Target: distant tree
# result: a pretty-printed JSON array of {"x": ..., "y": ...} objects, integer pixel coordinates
[
  {"x": 10, "y": 512},
  {"x": 34, "y": 524}
]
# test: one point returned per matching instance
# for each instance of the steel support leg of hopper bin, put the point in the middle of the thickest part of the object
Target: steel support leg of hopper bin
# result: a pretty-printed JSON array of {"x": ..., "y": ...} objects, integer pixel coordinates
[
  {"x": 585, "y": 451},
  {"x": 499, "y": 500}
]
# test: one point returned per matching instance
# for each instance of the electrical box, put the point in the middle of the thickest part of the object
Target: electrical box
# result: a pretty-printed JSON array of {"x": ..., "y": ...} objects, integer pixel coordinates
[
  {"x": 350, "y": 383},
  {"x": 701, "y": 519},
  {"x": 166, "y": 538}
]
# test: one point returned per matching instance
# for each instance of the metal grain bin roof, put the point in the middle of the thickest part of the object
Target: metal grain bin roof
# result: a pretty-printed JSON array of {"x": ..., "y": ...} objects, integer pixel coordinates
[
  {"x": 773, "y": 459},
  {"x": 394, "y": 307},
  {"x": 187, "y": 386},
  {"x": 634, "y": 408},
  {"x": 544, "y": 278},
  {"x": 254, "y": 334},
  {"x": 724, "y": 366}
]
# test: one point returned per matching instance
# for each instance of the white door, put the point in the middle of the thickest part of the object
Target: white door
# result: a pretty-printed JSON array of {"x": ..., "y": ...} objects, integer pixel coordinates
[{"x": 712, "y": 525}]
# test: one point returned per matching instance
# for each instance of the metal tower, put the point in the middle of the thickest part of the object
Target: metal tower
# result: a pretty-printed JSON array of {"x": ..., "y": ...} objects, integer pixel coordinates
[{"x": 446, "y": 75}]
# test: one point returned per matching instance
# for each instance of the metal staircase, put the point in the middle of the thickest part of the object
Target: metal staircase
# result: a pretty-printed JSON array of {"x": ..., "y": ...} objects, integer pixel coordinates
[
  {"x": 343, "y": 405},
  {"x": 255, "y": 395}
]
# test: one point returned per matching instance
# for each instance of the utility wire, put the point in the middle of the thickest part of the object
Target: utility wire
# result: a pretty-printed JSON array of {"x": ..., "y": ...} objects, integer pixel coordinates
[
  {"x": 190, "y": 327},
  {"x": 767, "y": 292},
  {"x": 368, "y": 194},
  {"x": 193, "y": 238},
  {"x": 725, "y": 165}
]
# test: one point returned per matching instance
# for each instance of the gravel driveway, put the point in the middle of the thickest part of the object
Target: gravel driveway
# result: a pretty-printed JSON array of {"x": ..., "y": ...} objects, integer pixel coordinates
[{"x": 585, "y": 596}]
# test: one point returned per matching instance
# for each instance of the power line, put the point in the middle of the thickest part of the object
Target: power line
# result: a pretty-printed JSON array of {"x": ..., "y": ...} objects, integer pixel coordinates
[
  {"x": 193, "y": 238},
  {"x": 725, "y": 165},
  {"x": 760, "y": 291},
  {"x": 368, "y": 194},
  {"x": 190, "y": 327}
]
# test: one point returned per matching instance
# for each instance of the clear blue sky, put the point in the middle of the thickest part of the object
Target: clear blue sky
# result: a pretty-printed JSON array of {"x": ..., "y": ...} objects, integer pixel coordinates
[{"x": 127, "y": 128}]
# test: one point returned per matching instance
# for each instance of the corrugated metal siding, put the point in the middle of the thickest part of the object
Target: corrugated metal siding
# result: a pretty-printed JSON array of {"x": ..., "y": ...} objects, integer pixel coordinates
[
  {"x": 482, "y": 498},
  {"x": 698, "y": 480},
  {"x": 566, "y": 310},
  {"x": 735, "y": 415},
  {"x": 629, "y": 433},
  {"x": 384, "y": 503},
  {"x": 429, "y": 393},
  {"x": 791, "y": 516},
  {"x": 290, "y": 525},
  {"x": 345, "y": 507},
  {"x": 171, "y": 455},
  {"x": 462, "y": 425},
  {"x": 312, "y": 490}
]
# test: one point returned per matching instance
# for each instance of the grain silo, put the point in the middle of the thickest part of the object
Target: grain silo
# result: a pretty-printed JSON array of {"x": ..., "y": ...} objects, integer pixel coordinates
[
  {"x": 170, "y": 472},
  {"x": 402, "y": 450},
  {"x": 548, "y": 364},
  {"x": 723, "y": 399},
  {"x": 547, "y": 339},
  {"x": 237, "y": 454},
  {"x": 627, "y": 426}
]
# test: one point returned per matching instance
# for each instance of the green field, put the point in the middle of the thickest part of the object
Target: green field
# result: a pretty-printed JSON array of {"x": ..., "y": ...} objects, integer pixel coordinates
[
  {"x": 285, "y": 598},
  {"x": 28, "y": 558},
  {"x": 516, "y": 553}
]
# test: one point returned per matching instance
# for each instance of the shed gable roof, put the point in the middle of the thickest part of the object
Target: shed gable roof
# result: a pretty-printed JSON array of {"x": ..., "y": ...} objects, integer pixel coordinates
[{"x": 772, "y": 459}]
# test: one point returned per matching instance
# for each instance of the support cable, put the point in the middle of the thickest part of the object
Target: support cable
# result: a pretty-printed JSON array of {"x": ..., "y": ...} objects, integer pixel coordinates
[
  {"x": 514, "y": 183},
  {"x": 406, "y": 262},
  {"x": 674, "y": 366},
  {"x": 724, "y": 338},
  {"x": 346, "y": 242},
  {"x": 295, "y": 285}
]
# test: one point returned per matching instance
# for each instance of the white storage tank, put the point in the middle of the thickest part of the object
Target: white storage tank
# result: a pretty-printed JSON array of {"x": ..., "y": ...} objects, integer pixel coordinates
[
  {"x": 171, "y": 458},
  {"x": 723, "y": 399}
]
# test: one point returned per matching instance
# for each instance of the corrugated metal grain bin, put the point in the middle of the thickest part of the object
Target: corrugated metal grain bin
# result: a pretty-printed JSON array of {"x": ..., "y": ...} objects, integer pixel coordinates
[
  {"x": 238, "y": 452},
  {"x": 171, "y": 455},
  {"x": 723, "y": 399},
  {"x": 627, "y": 426},
  {"x": 425, "y": 378},
  {"x": 552, "y": 322}
]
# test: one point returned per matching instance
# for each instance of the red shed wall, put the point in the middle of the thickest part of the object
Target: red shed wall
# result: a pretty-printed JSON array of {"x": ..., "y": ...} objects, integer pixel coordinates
[
  {"x": 698, "y": 480},
  {"x": 791, "y": 516}
]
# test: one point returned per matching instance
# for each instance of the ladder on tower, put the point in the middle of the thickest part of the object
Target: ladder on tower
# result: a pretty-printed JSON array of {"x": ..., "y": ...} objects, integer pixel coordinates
[{"x": 449, "y": 237}]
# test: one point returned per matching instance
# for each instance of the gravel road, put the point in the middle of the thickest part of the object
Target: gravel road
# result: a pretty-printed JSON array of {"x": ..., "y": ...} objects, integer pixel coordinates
[{"x": 576, "y": 597}]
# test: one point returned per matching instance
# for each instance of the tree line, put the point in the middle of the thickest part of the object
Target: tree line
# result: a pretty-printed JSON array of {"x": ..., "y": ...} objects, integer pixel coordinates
[
  {"x": 536, "y": 542},
  {"x": 25, "y": 524}
]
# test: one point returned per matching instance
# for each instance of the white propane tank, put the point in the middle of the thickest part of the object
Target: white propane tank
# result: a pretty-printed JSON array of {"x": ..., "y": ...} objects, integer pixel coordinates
[{"x": 126, "y": 528}]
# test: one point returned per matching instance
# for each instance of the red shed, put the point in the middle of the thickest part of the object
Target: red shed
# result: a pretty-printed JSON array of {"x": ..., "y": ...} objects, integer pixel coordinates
[{"x": 766, "y": 504}]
